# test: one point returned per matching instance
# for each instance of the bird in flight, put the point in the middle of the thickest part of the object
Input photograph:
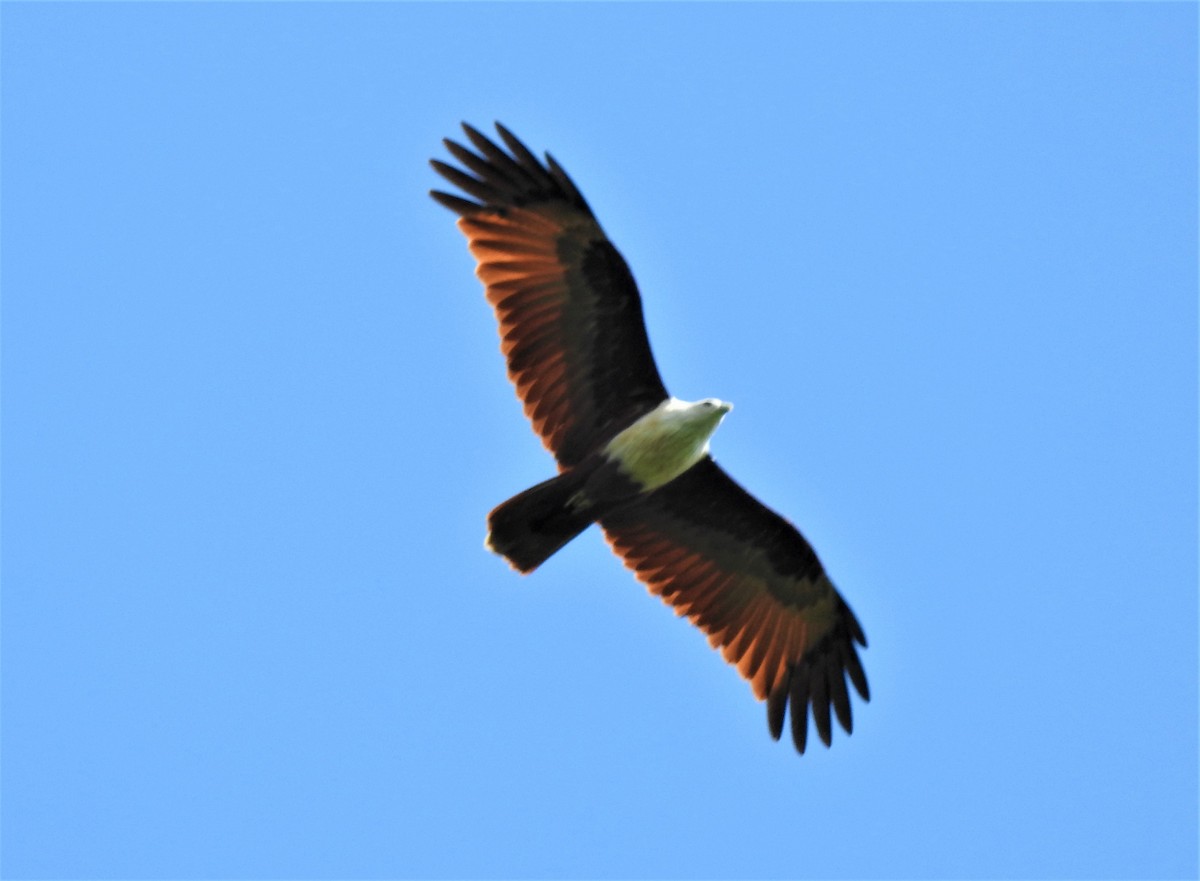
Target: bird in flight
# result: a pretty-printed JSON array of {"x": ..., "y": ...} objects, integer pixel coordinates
[{"x": 631, "y": 457}]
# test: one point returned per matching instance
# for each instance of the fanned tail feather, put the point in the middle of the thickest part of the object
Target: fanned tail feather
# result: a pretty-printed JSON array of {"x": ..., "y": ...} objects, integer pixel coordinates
[{"x": 531, "y": 526}]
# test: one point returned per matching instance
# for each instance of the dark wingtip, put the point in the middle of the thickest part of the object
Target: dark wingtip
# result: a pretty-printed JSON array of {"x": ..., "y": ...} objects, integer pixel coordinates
[
  {"x": 500, "y": 179},
  {"x": 818, "y": 681},
  {"x": 523, "y": 155},
  {"x": 798, "y": 697},
  {"x": 839, "y": 696},
  {"x": 776, "y": 705},
  {"x": 461, "y": 207},
  {"x": 564, "y": 180},
  {"x": 820, "y": 706},
  {"x": 856, "y": 630},
  {"x": 855, "y": 671}
]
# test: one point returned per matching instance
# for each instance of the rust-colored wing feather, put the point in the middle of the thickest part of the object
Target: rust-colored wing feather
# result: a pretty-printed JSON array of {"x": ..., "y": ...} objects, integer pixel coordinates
[
  {"x": 748, "y": 579},
  {"x": 570, "y": 316}
]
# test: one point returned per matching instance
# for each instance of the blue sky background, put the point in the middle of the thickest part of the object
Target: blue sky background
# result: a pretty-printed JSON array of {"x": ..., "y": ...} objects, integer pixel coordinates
[{"x": 943, "y": 258}]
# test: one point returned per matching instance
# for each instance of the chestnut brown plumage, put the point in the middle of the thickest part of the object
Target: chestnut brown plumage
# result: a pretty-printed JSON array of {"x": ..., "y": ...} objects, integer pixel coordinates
[
  {"x": 575, "y": 343},
  {"x": 569, "y": 311}
]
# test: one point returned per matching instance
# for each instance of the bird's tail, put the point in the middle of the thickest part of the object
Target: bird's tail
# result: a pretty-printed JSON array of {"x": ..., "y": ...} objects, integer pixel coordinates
[{"x": 528, "y": 528}]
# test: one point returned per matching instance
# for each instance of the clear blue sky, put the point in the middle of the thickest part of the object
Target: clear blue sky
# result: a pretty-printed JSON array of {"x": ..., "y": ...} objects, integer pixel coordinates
[{"x": 943, "y": 258}]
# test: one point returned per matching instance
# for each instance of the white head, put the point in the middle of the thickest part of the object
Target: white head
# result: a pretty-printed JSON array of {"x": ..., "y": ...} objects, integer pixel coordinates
[
  {"x": 668, "y": 440},
  {"x": 698, "y": 420},
  {"x": 709, "y": 413},
  {"x": 716, "y": 404}
]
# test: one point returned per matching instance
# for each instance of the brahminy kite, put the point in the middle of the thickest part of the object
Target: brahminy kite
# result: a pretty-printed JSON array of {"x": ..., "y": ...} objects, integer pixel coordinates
[{"x": 631, "y": 457}]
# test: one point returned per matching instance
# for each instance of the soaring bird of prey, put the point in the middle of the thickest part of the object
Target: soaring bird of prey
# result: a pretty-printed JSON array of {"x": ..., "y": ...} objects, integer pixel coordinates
[{"x": 631, "y": 457}]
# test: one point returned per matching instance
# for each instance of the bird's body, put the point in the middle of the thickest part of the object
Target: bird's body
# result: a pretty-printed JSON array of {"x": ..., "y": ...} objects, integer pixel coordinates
[
  {"x": 633, "y": 458},
  {"x": 651, "y": 452}
]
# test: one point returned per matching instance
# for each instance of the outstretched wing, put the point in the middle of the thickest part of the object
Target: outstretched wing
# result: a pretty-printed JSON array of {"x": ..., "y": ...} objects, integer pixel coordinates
[
  {"x": 569, "y": 311},
  {"x": 747, "y": 578}
]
